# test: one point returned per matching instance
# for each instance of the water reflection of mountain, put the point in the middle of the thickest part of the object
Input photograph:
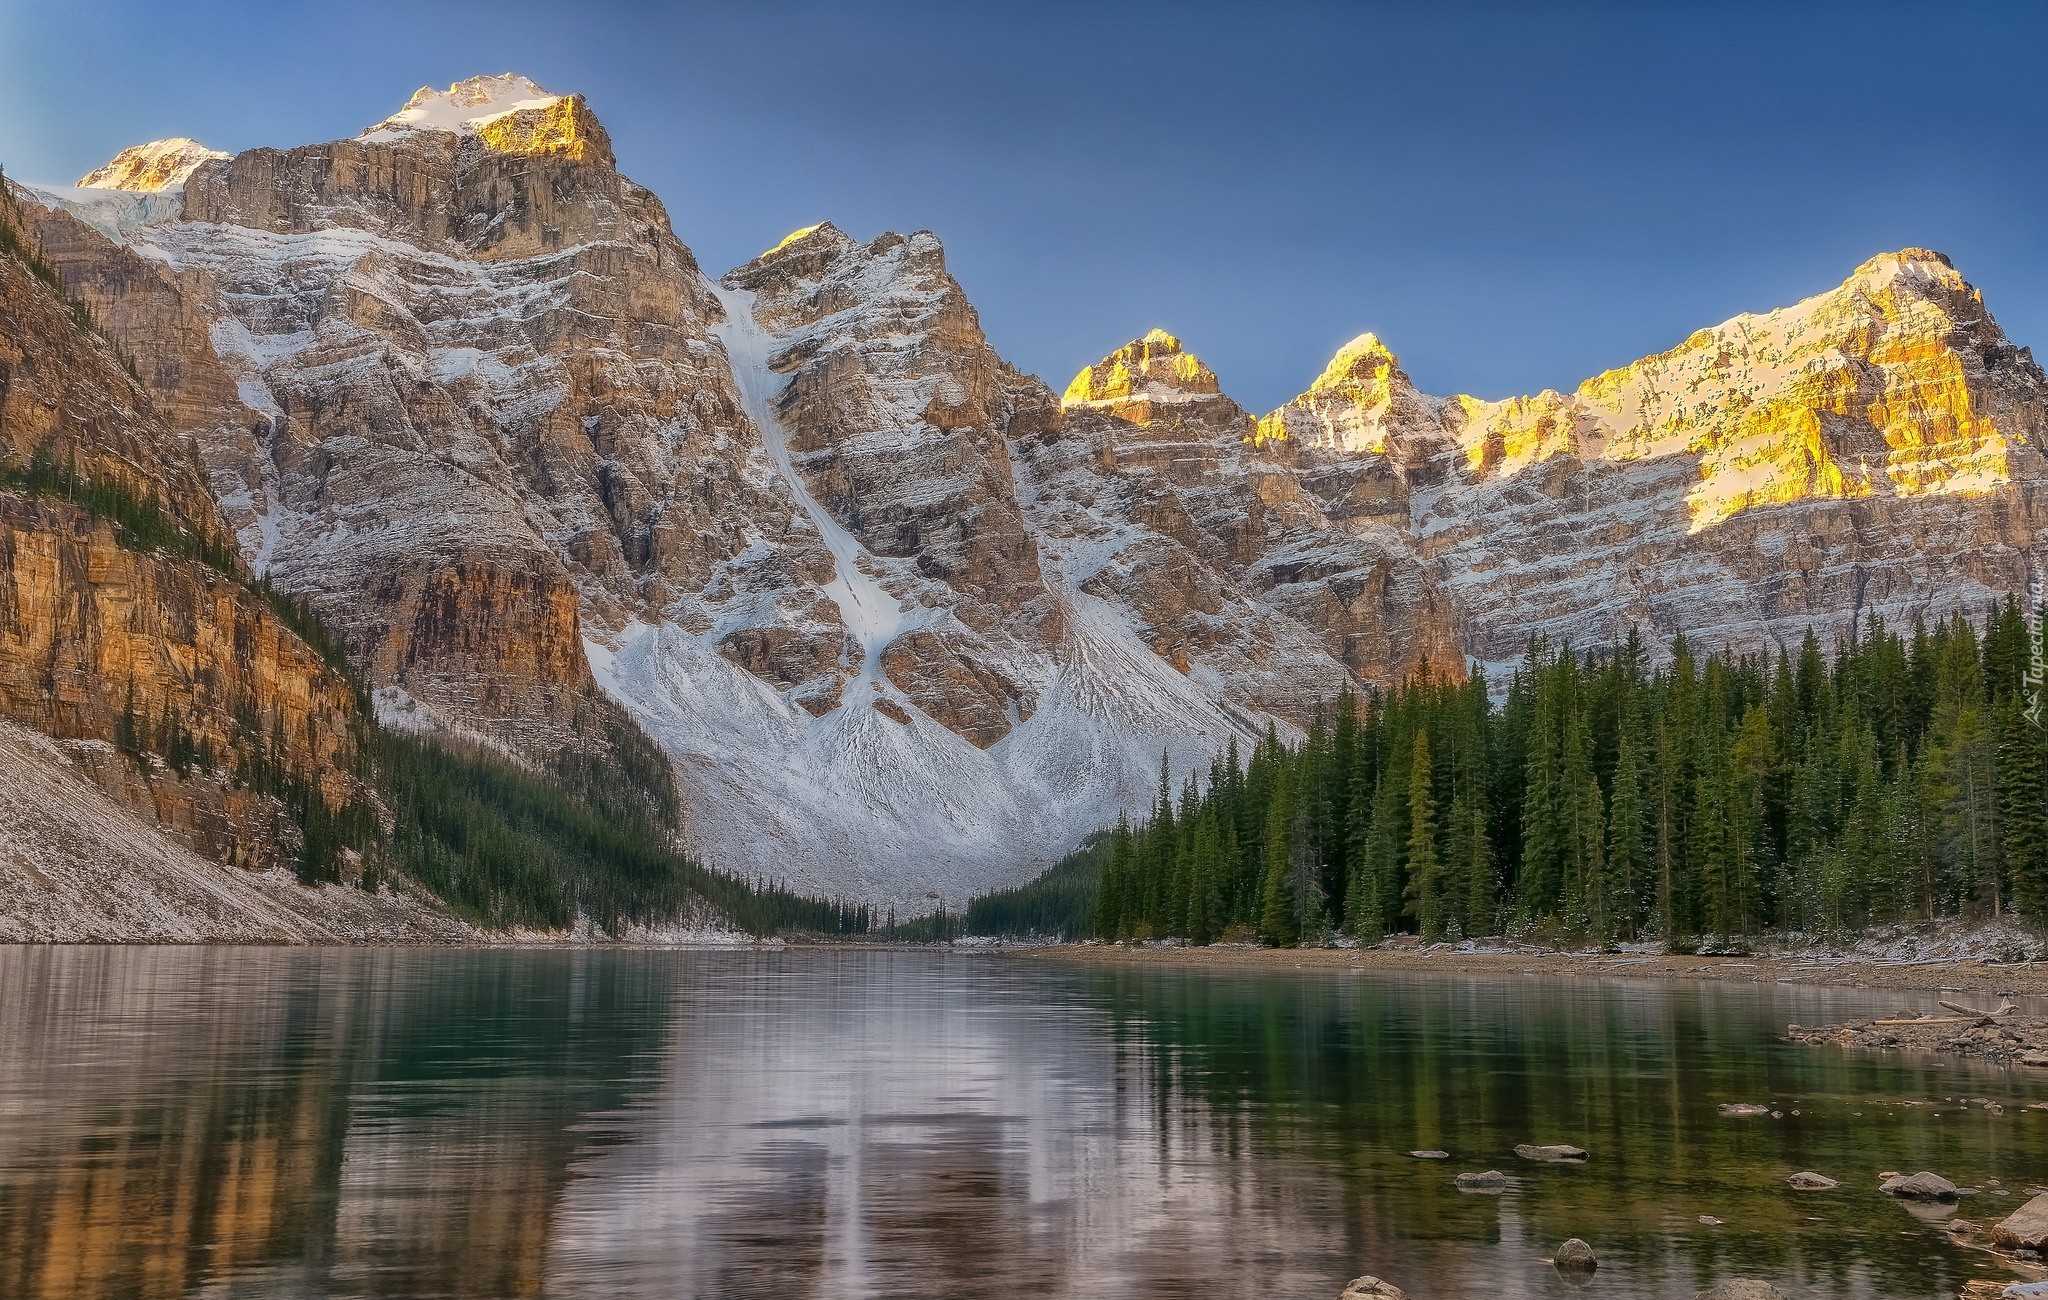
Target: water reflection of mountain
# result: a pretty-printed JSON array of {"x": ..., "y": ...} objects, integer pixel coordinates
[
  {"x": 894, "y": 1125},
  {"x": 293, "y": 1122},
  {"x": 248, "y": 1123}
]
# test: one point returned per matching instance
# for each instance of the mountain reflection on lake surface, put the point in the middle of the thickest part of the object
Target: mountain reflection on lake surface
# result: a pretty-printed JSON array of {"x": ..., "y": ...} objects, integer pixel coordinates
[{"x": 234, "y": 1122}]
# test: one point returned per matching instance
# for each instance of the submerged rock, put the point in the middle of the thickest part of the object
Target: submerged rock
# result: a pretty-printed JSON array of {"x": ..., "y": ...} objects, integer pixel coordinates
[
  {"x": 1553, "y": 1154},
  {"x": 1490, "y": 1181},
  {"x": 1575, "y": 1254},
  {"x": 1808, "y": 1181},
  {"x": 1741, "y": 1288},
  {"x": 2025, "y": 1228},
  {"x": 1742, "y": 1109},
  {"x": 1372, "y": 1288},
  {"x": 1922, "y": 1186},
  {"x": 1431, "y": 1155}
]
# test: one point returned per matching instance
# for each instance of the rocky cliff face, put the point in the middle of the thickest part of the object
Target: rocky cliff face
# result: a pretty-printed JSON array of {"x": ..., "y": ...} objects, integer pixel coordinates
[
  {"x": 123, "y": 617},
  {"x": 909, "y": 622},
  {"x": 1875, "y": 450}
]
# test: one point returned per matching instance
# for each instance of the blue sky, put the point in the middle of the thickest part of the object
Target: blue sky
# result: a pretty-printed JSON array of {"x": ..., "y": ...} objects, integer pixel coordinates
[{"x": 1514, "y": 196}]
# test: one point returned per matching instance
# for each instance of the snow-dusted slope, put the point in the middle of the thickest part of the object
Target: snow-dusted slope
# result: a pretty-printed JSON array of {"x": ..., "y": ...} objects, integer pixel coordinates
[{"x": 77, "y": 867}]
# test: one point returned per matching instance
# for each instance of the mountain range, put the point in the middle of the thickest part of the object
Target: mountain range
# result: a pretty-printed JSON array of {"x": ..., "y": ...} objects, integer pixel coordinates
[{"x": 906, "y": 623}]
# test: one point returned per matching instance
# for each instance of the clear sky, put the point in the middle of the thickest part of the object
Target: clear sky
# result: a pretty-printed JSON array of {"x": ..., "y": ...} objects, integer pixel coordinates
[{"x": 1514, "y": 196}]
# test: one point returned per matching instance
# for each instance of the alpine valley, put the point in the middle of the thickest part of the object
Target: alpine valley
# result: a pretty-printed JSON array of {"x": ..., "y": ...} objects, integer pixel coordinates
[{"x": 860, "y": 607}]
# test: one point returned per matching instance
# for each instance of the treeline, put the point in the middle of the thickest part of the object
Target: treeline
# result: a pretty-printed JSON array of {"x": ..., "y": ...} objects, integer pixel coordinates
[
  {"x": 1702, "y": 803},
  {"x": 505, "y": 846}
]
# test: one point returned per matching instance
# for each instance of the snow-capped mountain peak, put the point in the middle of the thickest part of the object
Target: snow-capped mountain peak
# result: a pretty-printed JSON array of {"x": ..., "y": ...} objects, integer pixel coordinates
[
  {"x": 465, "y": 107},
  {"x": 151, "y": 168}
]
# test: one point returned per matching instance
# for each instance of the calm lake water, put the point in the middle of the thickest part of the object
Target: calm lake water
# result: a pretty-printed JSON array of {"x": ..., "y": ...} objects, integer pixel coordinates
[{"x": 287, "y": 1123}]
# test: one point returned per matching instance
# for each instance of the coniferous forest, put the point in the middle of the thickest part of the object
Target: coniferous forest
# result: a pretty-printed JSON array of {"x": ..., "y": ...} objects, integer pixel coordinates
[{"x": 1705, "y": 802}]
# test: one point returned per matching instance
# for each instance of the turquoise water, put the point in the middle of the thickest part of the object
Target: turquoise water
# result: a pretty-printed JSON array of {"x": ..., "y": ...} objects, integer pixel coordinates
[{"x": 288, "y": 1123}]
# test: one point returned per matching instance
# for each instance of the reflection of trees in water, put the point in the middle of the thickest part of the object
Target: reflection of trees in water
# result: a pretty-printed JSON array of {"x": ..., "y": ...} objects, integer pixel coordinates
[
  {"x": 346, "y": 1122},
  {"x": 1330, "y": 1082},
  {"x": 863, "y": 1124}
]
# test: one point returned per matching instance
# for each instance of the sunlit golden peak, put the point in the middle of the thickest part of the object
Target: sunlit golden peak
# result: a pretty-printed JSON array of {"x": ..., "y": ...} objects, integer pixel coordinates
[
  {"x": 1919, "y": 263},
  {"x": 799, "y": 234},
  {"x": 1153, "y": 363},
  {"x": 158, "y": 165},
  {"x": 1363, "y": 359}
]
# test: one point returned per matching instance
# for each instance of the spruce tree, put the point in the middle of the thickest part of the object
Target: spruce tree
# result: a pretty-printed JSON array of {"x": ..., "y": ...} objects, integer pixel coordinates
[
  {"x": 1425, "y": 865},
  {"x": 1278, "y": 924},
  {"x": 2023, "y": 810}
]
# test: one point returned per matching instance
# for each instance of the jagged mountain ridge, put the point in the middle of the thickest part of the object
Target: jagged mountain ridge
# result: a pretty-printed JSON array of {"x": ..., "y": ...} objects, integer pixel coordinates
[{"x": 908, "y": 621}]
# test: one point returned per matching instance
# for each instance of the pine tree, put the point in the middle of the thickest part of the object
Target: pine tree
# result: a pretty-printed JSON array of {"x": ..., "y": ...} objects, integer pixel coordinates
[
  {"x": 2023, "y": 810},
  {"x": 1425, "y": 865},
  {"x": 1627, "y": 857},
  {"x": 1278, "y": 922}
]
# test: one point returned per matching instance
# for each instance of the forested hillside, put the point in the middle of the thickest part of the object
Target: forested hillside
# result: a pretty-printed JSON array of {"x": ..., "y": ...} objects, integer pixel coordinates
[{"x": 1705, "y": 802}]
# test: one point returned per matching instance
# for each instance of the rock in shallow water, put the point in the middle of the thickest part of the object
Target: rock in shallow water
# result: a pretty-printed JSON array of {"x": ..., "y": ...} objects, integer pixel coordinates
[
  {"x": 1808, "y": 1181},
  {"x": 1923, "y": 1186},
  {"x": 2025, "y": 1228},
  {"x": 1575, "y": 1254},
  {"x": 1742, "y": 1109},
  {"x": 1553, "y": 1154},
  {"x": 1741, "y": 1288},
  {"x": 1431, "y": 1155},
  {"x": 1371, "y": 1288},
  {"x": 1490, "y": 1181}
]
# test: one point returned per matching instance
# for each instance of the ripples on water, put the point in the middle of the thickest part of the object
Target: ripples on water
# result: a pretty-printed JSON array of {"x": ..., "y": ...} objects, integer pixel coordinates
[{"x": 287, "y": 1123}]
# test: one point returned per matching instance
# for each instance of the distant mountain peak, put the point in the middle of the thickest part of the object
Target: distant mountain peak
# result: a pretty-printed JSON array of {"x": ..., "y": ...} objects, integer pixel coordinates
[
  {"x": 1363, "y": 360},
  {"x": 1154, "y": 365},
  {"x": 465, "y": 107},
  {"x": 150, "y": 168},
  {"x": 822, "y": 234}
]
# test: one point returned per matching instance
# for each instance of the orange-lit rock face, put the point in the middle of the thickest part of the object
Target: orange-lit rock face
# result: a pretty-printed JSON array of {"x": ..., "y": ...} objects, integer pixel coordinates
[
  {"x": 149, "y": 168},
  {"x": 97, "y": 635},
  {"x": 565, "y": 128},
  {"x": 1890, "y": 413},
  {"x": 1155, "y": 361},
  {"x": 1169, "y": 412},
  {"x": 1895, "y": 384}
]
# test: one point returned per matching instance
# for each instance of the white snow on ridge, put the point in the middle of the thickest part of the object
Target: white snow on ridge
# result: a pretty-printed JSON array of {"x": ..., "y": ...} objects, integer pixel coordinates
[
  {"x": 462, "y": 108},
  {"x": 870, "y": 612}
]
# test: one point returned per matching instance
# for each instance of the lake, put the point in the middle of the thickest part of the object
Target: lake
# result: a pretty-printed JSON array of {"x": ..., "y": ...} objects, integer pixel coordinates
[{"x": 221, "y": 1122}]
